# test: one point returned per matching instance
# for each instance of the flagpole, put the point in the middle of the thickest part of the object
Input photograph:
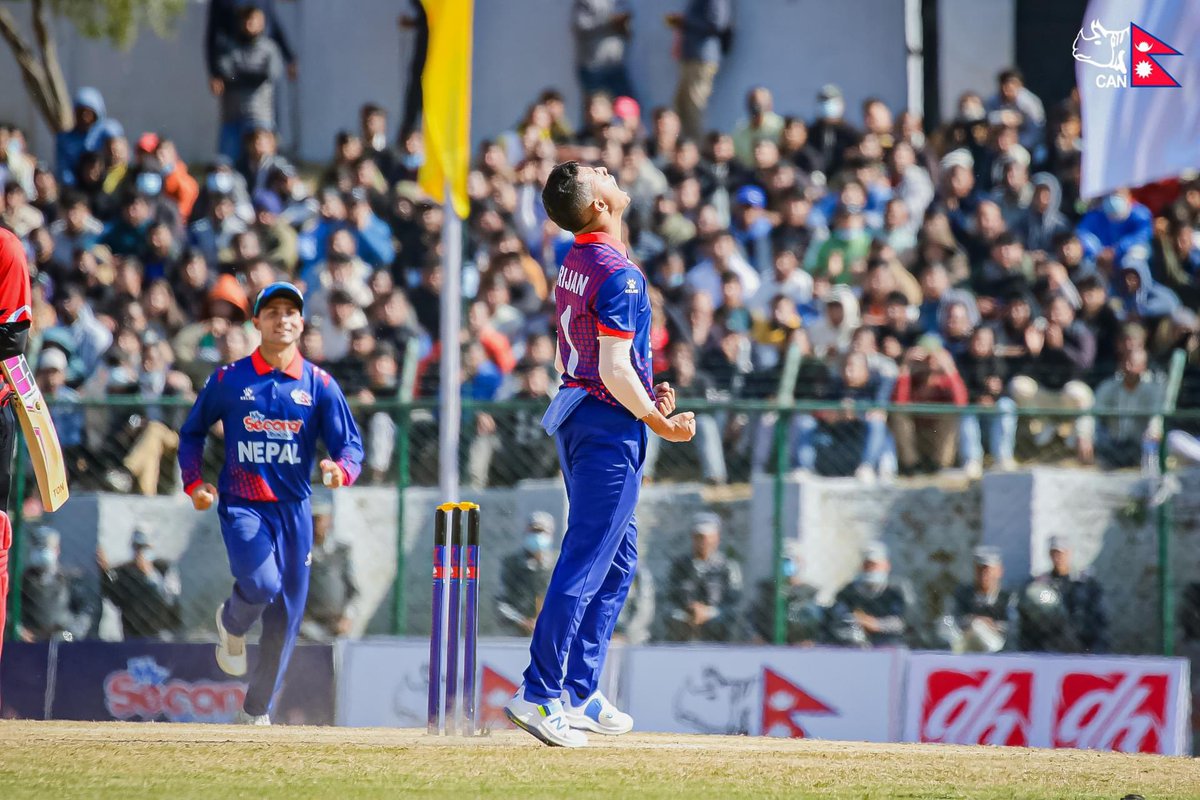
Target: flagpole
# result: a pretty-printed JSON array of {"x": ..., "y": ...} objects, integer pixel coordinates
[{"x": 449, "y": 393}]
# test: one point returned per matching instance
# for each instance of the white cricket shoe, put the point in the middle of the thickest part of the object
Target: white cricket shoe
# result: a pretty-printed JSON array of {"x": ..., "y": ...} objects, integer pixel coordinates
[
  {"x": 243, "y": 718},
  {"x": 231, "y": 650},
  {"x": 547, "y": 723},
  {"x": 598, "y": 715}
]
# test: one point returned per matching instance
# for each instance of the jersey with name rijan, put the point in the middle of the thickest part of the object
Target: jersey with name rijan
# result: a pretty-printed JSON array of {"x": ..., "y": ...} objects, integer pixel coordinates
[
  {"x": 600, "y": 292},
  {"x": 271, "y": 419}
]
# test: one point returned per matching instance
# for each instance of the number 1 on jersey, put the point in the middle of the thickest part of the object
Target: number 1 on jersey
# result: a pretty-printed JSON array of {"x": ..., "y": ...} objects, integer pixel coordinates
[{"x": 573, "y": 359}]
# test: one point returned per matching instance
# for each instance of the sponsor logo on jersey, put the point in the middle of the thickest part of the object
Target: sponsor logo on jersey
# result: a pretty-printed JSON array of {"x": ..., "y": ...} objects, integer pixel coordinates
[
  {"x": 631, "y": 286},
  {"x": 285, "y": 429},
  {"x": 247, "y": 393}
]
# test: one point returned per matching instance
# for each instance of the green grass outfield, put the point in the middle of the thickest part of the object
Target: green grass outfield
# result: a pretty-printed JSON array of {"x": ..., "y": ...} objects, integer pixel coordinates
[{"x": 143, "y": 761}]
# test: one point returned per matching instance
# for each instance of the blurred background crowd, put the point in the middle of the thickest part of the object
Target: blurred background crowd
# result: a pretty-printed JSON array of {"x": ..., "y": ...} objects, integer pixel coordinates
[
  {"x": 902, "y": 264},
  {"x": 955, "y": 265}
]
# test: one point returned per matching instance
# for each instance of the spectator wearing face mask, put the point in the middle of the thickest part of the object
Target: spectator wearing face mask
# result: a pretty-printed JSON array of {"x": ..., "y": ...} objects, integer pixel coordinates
[
  {"x": 842, "y": 257},
  {"x": 1110, "y": 230},
  {"x": 524, "y": 576},
  {"x": 804, "y": 616},
  {"x": 752, "y": 227},
  {"x": 830, "y": 135},
  {"x": 55, "y": 603},
  {"x": 873, "y": 610}
]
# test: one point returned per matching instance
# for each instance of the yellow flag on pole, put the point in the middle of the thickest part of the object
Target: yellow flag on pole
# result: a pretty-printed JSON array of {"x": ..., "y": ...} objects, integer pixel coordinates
[{"x": 446, "y": 85}]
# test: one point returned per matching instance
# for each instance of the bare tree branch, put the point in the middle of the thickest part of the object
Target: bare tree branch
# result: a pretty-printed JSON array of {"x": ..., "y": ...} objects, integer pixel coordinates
[
  {"x": 32, "y": 72},
  {"x": 58, "y": 97}
]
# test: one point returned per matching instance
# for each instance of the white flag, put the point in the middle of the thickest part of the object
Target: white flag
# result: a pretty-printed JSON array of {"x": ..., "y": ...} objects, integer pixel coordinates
[{"x": 1138, "y": 70}]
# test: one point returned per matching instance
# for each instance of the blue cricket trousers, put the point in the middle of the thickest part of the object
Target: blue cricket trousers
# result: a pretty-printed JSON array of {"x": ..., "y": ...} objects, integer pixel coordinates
[
  {"x": 269, "y": 547},
  {"x": 602, "y": 451}
]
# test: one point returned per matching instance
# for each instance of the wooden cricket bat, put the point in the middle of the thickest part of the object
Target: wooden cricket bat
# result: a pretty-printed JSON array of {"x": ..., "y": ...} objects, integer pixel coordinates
[{"x": 40, "y": 437}]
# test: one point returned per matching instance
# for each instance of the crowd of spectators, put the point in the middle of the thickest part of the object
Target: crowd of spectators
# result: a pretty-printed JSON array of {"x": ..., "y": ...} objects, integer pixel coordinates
[{"x": 952, "y": 264}]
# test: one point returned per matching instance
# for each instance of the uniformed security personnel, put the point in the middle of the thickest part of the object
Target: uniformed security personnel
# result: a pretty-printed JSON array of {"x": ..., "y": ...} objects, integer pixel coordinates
[
  {"x": 1080, "y": 600},
  {"x": 805, "y": 616},
  {"x": 55, "y": 603},
  {"x": 524, "y": 576},
  {"x": 703, "y": 589},
  {"x": 982, "y": 609},
  {"x": 873, "y": 609}
]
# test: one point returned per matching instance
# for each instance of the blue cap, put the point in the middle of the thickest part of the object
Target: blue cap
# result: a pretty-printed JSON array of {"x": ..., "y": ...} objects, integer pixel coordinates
[
  {"x": 751, "y": 196},
  {"x": 279, "y": 289}
]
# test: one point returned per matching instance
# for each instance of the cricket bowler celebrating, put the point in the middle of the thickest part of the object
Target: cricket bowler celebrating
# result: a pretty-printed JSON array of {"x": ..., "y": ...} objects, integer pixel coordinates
[
  {"x": 599, "y": 419},
  {"x": 273, "y": 406}
]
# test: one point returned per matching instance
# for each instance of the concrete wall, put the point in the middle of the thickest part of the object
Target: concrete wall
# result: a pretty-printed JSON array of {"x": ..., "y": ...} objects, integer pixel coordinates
[
  {"x": 930, "y": 529},
  {"x": 976, "y": 40},
  {"x": 352, "y": 52}
]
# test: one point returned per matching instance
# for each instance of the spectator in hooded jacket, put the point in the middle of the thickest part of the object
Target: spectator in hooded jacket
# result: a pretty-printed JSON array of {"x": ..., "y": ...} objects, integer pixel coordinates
[
  {"x": 1138, "y": 297},
  {"x": 1042, "y": 221},
  {"x": 93, "y": 128}
]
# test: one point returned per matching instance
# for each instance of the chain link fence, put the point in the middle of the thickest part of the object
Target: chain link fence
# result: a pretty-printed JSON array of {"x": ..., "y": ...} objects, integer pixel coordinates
[{"x": 967, "y": 528}]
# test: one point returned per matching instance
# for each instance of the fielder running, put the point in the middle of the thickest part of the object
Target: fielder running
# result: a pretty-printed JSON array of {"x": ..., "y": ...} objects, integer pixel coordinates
[
  {"x": 273, "y": 406},
  {"x": 599, "y": 420}
]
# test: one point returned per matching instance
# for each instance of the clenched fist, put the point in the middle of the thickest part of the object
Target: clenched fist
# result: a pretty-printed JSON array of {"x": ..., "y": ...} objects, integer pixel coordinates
[{"x": 203, "y": 496}]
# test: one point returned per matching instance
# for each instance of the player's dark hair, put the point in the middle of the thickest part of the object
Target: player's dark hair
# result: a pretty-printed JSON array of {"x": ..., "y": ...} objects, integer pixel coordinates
[
  {"x": 1010, "y": 73},
  {"x": 566, "y": 197}
]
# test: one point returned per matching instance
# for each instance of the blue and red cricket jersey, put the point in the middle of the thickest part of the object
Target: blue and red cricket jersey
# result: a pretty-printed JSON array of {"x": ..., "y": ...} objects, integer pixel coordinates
[
  {"x": 272, "y": 419},
  {"x": 600, "y": 292},
  {"x": 601, "y": 449}
]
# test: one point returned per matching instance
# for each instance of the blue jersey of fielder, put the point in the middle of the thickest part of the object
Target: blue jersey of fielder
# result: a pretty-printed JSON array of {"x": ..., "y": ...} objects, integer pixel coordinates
[
  {"x": 272, "y": 419},
  {"x": 599, "y": 292}
]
